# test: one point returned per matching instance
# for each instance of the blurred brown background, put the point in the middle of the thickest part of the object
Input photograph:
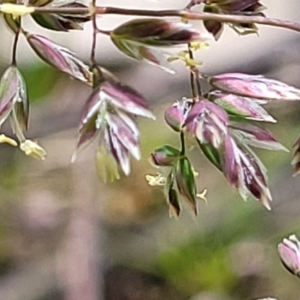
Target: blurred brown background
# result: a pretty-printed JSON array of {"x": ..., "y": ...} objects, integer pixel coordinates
[{"x": 65, "y": 235}]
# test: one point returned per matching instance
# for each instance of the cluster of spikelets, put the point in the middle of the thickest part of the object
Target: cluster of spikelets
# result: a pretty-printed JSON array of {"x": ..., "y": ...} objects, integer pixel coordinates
[{"x": 223, "y": 121}]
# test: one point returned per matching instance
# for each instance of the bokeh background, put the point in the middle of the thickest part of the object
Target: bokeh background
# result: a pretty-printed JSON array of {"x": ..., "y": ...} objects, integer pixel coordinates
[{"x": 65, "y": 235}]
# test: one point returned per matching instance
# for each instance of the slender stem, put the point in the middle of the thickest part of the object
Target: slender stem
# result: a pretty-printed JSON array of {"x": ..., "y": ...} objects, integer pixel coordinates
[
  {"x": 192, "y": 83},
  {"x": 182, "y": 141},
  {"x": 15, "y": 46},
  {"x": 100, "y": 10},
  {"x": 63, "y": 10},
  {"x": 197, "y": 75},
  {"x": 98, "y": 77},
  {"x": 94, "y": 37},
  {"x": 106, "y": 32},
  {"x": 194, "y": 76}
]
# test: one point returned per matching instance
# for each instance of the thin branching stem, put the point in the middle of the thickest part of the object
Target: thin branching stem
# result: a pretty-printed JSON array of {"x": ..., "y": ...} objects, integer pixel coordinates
[
  {"x": 106, "y": 32},
  {"x": 97, "y": 73},
  {"x": 194, "y": 80},
  {"x": 94, "y": 36},
  {"x": 226, "y": 18},
  {"x": 192, "y": 84},
  {"x": 194, "y": 77},
  {"x": 14, "y": 49},
  {"x": 182, "y": 142},
  {"x": 197, "y": 75}
]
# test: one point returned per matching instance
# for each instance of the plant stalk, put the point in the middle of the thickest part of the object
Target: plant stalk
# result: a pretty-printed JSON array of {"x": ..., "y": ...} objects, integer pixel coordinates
[{"x": 226, "y": 18}]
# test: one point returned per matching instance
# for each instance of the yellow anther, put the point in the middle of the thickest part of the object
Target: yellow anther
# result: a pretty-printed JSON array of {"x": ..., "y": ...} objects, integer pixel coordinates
[
  {"x": 32, "y": 148},
  {"x": 156, "y": 180},
  {"x": 202, "y": 195},
  {"x": 7, "y": 140}
]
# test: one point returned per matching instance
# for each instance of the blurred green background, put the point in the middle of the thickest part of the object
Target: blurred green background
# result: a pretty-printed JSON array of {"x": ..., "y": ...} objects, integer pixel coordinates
[{"x": 65, "y": 235}]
